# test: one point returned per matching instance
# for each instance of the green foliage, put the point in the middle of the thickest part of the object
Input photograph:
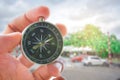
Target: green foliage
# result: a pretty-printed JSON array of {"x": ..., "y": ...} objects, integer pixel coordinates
[
  {"x": 115, "y": 44},
  {"x": 92, "y": 36}
]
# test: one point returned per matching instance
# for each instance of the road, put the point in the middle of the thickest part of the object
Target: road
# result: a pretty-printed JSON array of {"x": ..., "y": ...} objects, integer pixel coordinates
[{"x": 78, "y": 72}]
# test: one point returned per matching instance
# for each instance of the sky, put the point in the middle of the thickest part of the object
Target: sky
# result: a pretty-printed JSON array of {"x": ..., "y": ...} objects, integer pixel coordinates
[{"x": 74, "y": 14}]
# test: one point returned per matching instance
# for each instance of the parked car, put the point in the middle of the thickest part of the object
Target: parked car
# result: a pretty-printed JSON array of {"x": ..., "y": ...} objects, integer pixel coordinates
[
  {"x": 94, "y": 60},
  {"x": 78, "y": 58}
]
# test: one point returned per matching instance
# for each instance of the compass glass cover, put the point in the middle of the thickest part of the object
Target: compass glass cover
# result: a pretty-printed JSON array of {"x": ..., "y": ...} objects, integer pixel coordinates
[{"x": 42, "y": 42}]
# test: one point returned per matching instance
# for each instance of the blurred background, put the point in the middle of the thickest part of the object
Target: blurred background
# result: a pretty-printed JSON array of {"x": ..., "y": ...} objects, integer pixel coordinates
[{"x": 93, "y": 37}]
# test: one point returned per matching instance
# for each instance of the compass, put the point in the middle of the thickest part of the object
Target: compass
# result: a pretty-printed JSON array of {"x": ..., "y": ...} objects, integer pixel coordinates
[{"x": 42, "y": 42}]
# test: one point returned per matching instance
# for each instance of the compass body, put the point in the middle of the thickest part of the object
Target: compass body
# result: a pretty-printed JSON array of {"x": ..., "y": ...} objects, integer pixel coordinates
[{"x": 42, "y": 42}]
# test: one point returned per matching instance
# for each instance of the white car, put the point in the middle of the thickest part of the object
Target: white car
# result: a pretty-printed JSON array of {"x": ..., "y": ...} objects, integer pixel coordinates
[{"x": 94, "y": 60}]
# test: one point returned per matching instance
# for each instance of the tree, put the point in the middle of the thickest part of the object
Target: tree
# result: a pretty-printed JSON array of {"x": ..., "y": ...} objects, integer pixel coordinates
[
  {"x": 115, "y": 44},
  {"x": 93, "y": 37}
]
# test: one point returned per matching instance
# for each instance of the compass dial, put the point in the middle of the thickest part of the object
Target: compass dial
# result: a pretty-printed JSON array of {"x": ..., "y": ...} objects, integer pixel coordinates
[{"x": 42, "y": 42}]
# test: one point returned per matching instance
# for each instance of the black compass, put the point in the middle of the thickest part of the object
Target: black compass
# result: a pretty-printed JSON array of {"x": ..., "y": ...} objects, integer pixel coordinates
[{"x": 42, "y": 42}]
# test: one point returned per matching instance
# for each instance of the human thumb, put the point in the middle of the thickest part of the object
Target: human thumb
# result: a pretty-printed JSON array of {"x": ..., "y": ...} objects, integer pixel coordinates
[{"x": 9, "y": 41}]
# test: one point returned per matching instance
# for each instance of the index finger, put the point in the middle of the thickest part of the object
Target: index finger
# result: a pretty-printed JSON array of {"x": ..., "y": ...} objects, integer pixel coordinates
[{"x": 18, "y": 24}]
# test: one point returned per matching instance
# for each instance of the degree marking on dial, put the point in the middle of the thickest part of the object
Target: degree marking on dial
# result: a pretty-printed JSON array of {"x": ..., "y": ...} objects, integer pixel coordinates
[
  {"x": 29, "y": 42},
  {"x": 41, "y": 31}
]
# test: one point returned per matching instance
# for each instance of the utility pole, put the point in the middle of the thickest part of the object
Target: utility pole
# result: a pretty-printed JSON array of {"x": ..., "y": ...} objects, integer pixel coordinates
[{"x": 109, "y": 50}]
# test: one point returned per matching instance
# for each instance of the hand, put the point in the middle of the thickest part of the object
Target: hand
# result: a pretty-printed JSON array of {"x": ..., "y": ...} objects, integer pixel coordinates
[{"x": 17, "y": 69}]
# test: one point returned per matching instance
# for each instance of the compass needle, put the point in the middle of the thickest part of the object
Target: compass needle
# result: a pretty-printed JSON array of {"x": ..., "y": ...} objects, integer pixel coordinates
[
  {"x": 44, "y": 47},
  {"x": 35, "y": 47},
  {"x": 48, "y": 40}
]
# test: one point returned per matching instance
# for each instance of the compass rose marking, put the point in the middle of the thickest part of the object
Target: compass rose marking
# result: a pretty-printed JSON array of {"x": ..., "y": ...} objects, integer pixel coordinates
[
  {"x": 46, "y": 38},
  {"x": 40, "y": 55},
  {"x": 34, "y": 42},
  {"x": 41, "y": 37},
  {"x": 44, "y": 47},
  {"x": 37, "y": 38},
  {"x": 40, "y": 49},
  {"x": 33, "y": 34}
]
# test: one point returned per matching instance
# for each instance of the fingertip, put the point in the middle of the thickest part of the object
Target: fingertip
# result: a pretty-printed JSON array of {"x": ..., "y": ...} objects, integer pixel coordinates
[
  {"x": 62, "y": 29},
  {"x": 46, "y": 11},
  {"x": 55, "y": 68},
  {"x": 47, "y": 71},
  {"x": 37, "y": 12},
  {"x": 59, "y": 65}
]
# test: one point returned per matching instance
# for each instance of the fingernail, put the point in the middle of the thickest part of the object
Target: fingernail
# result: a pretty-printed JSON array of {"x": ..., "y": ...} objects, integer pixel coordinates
[
  {"x": 59, "y": 66},
  {"x": 59, "y": 78}
]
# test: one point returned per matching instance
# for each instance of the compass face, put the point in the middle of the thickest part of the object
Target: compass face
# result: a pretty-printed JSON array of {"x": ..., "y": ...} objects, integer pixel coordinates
[{"x": 42, "y": 42}]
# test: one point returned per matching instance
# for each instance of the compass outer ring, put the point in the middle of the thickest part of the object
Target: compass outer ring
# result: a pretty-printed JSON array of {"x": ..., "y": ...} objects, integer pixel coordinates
[{"x": 23, "y": 33}]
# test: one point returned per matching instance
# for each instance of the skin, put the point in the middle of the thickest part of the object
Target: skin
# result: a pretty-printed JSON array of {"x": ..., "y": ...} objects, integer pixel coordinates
[{"x": 17, "y": 69}]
